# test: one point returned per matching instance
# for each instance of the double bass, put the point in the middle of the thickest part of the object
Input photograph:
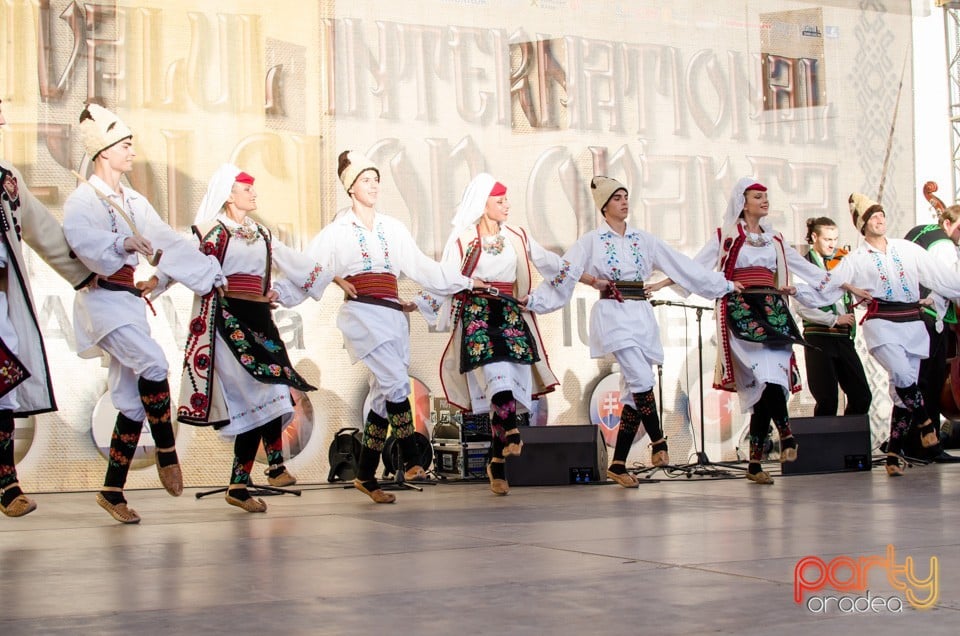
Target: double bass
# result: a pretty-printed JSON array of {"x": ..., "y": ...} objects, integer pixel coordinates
[{"x": 950, "y": 393}]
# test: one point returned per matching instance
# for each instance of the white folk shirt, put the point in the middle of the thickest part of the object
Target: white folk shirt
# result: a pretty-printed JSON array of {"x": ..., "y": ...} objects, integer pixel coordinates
[
  {"x": 95, "y": 232},
  {"x": 895, "y": 276},
  {"x": 346, "y": 247},
  {"x": 294, "y": 274},
  {"x": 632, "y": 257}
]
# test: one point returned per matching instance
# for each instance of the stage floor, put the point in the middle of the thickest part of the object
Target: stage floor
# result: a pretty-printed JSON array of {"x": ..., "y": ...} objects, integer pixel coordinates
[{"x": 673, "y": 557}]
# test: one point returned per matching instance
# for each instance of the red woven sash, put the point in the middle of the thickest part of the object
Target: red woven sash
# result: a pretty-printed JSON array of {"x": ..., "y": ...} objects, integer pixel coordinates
[
  {"x": 377, "y": 285},
  {"x": 754, "y": 277},
  {"x": 246, "y": 283},
  {"x": 503, "y": 288},
  {"x": 122, "y": 277}
]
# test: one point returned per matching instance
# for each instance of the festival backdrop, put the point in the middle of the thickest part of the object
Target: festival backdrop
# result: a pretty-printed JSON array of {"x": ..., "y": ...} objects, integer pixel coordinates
[{"x": 674, "y": 99}]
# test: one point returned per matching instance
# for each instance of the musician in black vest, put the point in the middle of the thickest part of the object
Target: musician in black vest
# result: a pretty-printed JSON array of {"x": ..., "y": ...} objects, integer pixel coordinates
[
  {"x": 832, "y": 358},
  {"x": 940, "y": 240}
]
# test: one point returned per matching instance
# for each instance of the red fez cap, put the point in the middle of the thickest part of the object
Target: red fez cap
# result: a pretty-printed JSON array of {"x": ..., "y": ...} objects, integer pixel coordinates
[
  {"x": 498, "y": 190},
  {"x": 756, "y": 186},
  {"x": 243, "y": 177}
]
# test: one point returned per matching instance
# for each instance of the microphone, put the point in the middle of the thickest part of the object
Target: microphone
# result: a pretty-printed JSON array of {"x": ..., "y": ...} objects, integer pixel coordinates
[{"x": 657, "y": 303}]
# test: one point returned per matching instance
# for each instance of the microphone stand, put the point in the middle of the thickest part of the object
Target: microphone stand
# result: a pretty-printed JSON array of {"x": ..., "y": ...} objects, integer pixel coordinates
[{"x": 702, "y": 466}]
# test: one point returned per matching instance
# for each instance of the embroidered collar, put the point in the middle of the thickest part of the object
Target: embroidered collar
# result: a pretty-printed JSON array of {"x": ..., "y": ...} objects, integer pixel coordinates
[
  {"x": 248, "y": 231},
  {"x": 350, "y": 217},
  {"x": 126, "y": 193},
  {"x": 606, "y": 231}
]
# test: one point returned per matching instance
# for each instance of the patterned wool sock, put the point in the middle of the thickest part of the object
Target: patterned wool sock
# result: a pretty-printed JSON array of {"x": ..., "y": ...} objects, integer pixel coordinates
[
  {"x": 776, "y": 403},
  {"x": 629, "y": 425},
  {"x": 374, "y": 437},
  {"x": 899, "y": 424},
  {"x": 912, "y": 398},
  {"x": 272, "y": 435},
  {"x": 400, "y": 419},
  {"x": 8, "y": 470},
  {"x": 155, "y": 396},
  {"x": 647, "y": 408},
  {"x": 759, "y": 430},
  {"x": 244, "y": 452},
  {"x": 123, "y": 445},
  {"x": 503, "y": 412}
]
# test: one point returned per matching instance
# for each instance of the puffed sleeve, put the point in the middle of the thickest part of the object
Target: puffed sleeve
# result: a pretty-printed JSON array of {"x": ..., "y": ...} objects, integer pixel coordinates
[
  {"x": 180, "y": 260},
  {"x": 709, "y": 253},
  {"x": 322, "y": 249},
  {"x": 436, "y": 278},
  {"x": 942, "y": 280},
  {"x": 816, "y": 316},
  {"x": 554, "y": 293},
  {"x": 557, "y": 270},
  {"x": 436, "y": 308},
  {"x": 822, "y": 287},
  {"x": 705, "y": 258},
  {"x": 687, "y": 273},
  {"x": 97, "y": 247},
  {"x": 302, "y": 275}
]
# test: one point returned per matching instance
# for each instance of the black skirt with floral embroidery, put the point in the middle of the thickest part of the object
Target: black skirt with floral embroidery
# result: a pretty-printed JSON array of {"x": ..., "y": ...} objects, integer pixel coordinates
[
  {"x": 248, "y": 329},
  {"x": 493, "y": 330},
  {"x": 761, "y": 318}
]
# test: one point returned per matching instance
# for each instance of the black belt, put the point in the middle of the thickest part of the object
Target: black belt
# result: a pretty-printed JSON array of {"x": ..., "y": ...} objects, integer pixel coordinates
[
  {"x": 823, "y": 330},
  {"x": 764, "y": 290},
  {"x": 103, "y": 283},
  {"x": 621, "y": 290},
  {"x": 373, "y": 300},
  {"x": 892, "y": 311}
]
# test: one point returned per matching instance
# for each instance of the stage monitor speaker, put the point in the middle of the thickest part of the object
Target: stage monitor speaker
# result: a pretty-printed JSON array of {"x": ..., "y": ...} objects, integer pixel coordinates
[
  {"x": 559, "y": 455},
  {"x": 830, "y": 444}
]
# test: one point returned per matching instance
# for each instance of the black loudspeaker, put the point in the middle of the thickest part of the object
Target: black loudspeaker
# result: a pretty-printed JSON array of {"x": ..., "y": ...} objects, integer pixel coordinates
[
  {"x": 558, "y": 455},
  {"x": 343, "y": 454},
  {"x": 391, "y": 453},
  {"x": 830, "y": 444}
]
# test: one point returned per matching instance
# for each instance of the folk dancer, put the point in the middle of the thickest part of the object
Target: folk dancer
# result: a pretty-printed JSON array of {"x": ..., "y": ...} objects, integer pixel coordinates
[
  {"x": 755, "y": 330},
  {"x": 25, "y": 387},
  {"x": 616, "y": 259},
  {"x": 236, "y": 372},
  {"x": 495, "y": 361},
  {"x": 367, "y": 250},
  {"x": 109, "y": 226},
  {"x": 891, "y": 270}
]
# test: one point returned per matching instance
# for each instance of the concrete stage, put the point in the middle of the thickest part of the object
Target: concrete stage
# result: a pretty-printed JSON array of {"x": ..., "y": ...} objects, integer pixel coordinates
[{"x": 673, "y": 557}]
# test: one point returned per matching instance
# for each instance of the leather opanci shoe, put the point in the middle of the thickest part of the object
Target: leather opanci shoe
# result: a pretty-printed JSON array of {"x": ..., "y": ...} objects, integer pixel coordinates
[
  {"x": 282, "y": 480},
  {"x": 120, "y": 511},
  {"x": 377, "y": 494},
  {"x": 763, "y": 478},
  {"x": 497, "y": 486},
  {"x": 250, "y": 504},
  {"x": 20, "y": 506}
]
